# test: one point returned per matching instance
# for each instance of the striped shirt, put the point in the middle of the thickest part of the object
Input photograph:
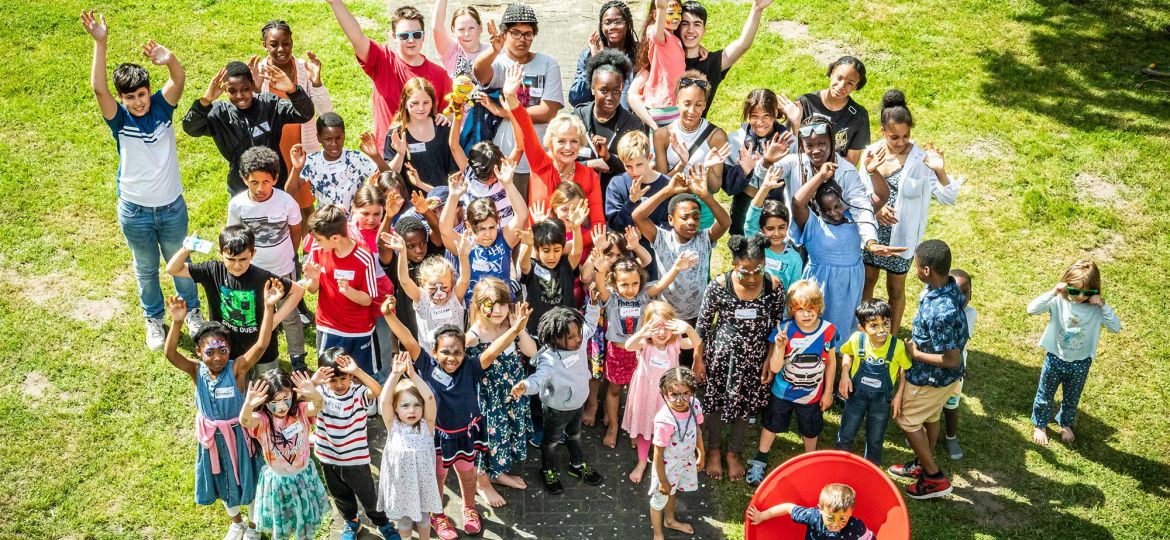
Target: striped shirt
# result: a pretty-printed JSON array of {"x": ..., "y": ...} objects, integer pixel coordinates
[
  {"x": 340, "y": 438},
  {"x": 148, "y": 163}
]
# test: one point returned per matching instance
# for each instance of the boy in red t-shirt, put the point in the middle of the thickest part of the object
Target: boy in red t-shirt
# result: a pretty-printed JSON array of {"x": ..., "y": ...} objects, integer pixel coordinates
[{"x": 342, "y": 272}]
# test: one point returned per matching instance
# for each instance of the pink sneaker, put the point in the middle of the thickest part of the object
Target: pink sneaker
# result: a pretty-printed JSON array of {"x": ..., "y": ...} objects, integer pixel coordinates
[
  {"x": 471, "y": 524},
  {"x": 443, "y": 527}
]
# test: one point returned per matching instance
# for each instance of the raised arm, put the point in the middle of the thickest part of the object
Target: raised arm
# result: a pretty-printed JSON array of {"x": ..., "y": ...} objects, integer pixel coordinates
[
  {"x": 442, "y": 37},
  {"x": 177, "y": 266},
  {"x": 178, "y": 309},
  {"x": 353, "y": 30},
  {"x": 700, "y": 187},
  {"x": 405, "y": 337},
  {"x": 457, "y": 187},
  {"x": 273, "y": 292},
  {"x": 634, "y": 98},
  {"x": 804, "y": 195},
  {"x": 737, "y": 48},
  {"x": 641, "y": 216},
  {"x": 684, "y": 261},
  {"x": 482, "y": 67},
  {"x": 172, "y": 91},
  {"x": 398, "y": 245},
  {"x": 500, "y": 344},
  {"x": 95, "y": 24},
  {"x": 457, "y": 152}
]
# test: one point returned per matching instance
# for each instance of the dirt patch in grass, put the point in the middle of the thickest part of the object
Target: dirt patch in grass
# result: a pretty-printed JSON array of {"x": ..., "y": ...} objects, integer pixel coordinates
[
  {"x": 1096, "y": 189},
  {"x": 825, "y": 51},
  {"x": 35, "y": 386},
  {"x": 62, "y": 292},
  {"x": 1108, "y": 247},
  {"x": 985, "y": 148},
  {"x": 987, "y": 498}
]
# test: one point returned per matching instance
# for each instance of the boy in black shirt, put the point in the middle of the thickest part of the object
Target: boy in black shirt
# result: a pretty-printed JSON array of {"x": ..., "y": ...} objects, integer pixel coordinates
[
  {"x": 547, "y": 275},
  {"x": 235, "y": 291}
]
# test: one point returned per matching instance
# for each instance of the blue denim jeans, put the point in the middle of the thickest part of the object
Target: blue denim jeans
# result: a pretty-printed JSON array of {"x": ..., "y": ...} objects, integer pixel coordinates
[
  {"x": 874, "y": 407},
  {"x": 1059, "y": 373},
  {"x": 152, "y": 232}
]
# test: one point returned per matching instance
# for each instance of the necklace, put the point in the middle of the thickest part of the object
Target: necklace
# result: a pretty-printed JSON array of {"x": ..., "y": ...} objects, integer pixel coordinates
[
  {"x": 568, "y": 172},
  {"x": 686, "y": 131}
]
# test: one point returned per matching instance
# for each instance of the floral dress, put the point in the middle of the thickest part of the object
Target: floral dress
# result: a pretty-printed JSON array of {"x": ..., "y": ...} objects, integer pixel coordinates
[
  {"x": 891, "y": 263},
  {"x": 735, "y": 335},
  {"x": 509, "y": 423}
]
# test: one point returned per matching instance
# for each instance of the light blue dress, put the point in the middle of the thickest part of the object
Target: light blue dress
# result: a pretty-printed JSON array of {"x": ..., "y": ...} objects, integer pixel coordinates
[
  {"x": 834, "y": 261},
  {"x": 218, "y": 399}
]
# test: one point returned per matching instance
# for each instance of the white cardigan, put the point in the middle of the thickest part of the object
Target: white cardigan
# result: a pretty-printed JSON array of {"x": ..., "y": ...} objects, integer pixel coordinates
[
  {"x": 919, "y": 184},
  {"x": 321, "y": 104}
]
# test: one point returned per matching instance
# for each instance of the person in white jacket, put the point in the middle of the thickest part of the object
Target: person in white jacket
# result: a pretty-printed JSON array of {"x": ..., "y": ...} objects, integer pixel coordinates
[
  {"x": 915, "y": 175},
  {"x": 277, "y": 39}
]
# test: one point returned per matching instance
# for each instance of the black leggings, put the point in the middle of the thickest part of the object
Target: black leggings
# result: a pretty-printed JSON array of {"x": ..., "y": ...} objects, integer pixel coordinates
[{"x": 714, "y": 424}]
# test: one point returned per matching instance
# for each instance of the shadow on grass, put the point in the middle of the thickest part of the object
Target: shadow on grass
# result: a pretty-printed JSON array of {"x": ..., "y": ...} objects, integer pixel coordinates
[{"x": 1084, "y": 69}]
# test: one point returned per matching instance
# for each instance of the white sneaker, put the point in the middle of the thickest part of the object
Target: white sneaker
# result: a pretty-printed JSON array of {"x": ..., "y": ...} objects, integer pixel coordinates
[
  {"x": 235, "y": 532},
  {"x": 251, "y": 534},
  {"x": 155, "y": 337},
  {"x": 195, "y": 321}
]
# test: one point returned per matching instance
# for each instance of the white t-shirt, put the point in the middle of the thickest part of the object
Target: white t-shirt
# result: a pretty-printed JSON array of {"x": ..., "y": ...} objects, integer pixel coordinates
[
  {"x": 686, "y": 292},
  {"x": 335, "y": 182},
  {"x": 542, "y": 81},
  {"x": 148, "y": 163},
  {"x": 271, "y": 222}
]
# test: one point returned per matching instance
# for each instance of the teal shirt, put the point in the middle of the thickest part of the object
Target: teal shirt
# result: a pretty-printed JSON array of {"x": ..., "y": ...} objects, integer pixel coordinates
[{"x": 786, "y": 266}]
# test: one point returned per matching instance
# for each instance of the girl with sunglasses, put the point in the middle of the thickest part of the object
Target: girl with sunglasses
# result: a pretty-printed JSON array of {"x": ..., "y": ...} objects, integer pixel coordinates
[
  {"x": 226, "y": 463},
  {"x": 439, "y": 299},
  {"x": 740, "y": 308},
  {"x": 849, "y": 119},
  {"x": 913, "y": 176},
  {"x": 509, "y": 424},
  {"x": 1076, "y": 313},
  {"x": 678, "y": 448}
]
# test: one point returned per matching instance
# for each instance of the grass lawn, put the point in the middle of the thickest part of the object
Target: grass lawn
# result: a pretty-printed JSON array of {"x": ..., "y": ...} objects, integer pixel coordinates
[{"x": 1033, "y": 100}]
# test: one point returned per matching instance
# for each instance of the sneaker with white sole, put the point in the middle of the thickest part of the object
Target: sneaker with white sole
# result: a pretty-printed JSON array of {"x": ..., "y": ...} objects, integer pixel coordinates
[
  {"x": 155, "y": 336},
  {"x": 235, "y": 532},
  {"x": 252, "y": 534},
  {"x": 195, "y": 321},
  {"x": 953, "y": 448}
]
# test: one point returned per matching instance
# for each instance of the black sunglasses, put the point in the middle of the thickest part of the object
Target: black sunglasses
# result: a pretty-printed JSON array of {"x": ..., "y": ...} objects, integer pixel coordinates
[{"x": 687, "y": 81}]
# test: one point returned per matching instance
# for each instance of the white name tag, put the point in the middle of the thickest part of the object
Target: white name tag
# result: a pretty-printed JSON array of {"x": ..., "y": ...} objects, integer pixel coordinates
[
  {"x": 871, "y": 382},
  {"x": 511, "y": 349},
  {"x": 443, "y": 314},
  {"x": 773, "y": 264},
  {"x": 745, "y": 313},
  {"x": 225, "y": 392},
  {"x": 585, "y": 152},
  {"x": 277, "y": 219},
  {"x": 659, "y": 362},
  {"x": 571, "y": 359},
  {"x": 799, "y": 344},
  {"x": 441, "y": 377},
  {"x": 417, "y": 148},
  {"x": 535, "y": 92},
  {"x": 292, "y": 431},
  {"x": 343, "y": 274},
  {"x": 481, "y": 265},
  {"x": 629, "y": 312},
  {"x": 542, "y": 272}
]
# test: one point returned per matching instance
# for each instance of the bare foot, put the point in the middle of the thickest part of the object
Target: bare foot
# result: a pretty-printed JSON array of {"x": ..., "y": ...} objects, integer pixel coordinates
[
  {"x": 658, "y": 536},
  {"x": 714, "y": 468},
  {"x": 489, "y": 493},
  {"x": 1066, "y": 435},
  {"x": 678, "y": 526},
  {"x": 514, "y": 482},
  {"x": 636, "y": 474},
  {"x": 1040, "y": 436},
  {"x": 735, "y": 470},
  {"x": 589, "y": 415},
  {"x": 611, "y": 436}
]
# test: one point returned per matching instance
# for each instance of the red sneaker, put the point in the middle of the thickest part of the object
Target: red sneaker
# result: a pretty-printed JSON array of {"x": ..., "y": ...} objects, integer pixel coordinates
[
  {"x": 443, "y": 527},
  {"x": 910, "y": 469},
  {"x": 471, "y": 524},
  {"x": 929, "y": 488}
]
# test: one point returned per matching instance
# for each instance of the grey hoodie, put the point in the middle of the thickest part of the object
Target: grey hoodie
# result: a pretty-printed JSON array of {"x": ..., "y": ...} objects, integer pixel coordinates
[{"x": 562, "y": 377}]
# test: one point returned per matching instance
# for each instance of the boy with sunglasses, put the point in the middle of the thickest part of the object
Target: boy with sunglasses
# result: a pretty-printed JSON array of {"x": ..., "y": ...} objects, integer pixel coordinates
[{"x": 389, "y": 69}]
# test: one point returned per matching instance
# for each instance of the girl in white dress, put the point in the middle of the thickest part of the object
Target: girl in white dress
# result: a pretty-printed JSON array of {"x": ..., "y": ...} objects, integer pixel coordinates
[
  {"x": 678, "y": 449},
  {"x": 407, "y": 488}
]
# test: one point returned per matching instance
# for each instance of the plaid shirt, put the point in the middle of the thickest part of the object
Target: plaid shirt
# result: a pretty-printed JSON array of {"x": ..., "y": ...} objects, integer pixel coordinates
[{"x": 939, "y": 326}]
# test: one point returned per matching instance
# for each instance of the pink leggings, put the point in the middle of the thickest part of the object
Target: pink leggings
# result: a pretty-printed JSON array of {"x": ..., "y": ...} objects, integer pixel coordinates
[
  {"x": 465, "y": 470},
  {"x": 643, "y": 448}
]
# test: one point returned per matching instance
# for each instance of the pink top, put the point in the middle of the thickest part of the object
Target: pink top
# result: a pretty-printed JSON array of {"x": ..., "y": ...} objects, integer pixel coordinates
[
  {"x": 664, "y": 426},
  {"x": 668, "y": 62},
  {"x": 451, "y": 59},
  {"x": 287, "y": 442}
]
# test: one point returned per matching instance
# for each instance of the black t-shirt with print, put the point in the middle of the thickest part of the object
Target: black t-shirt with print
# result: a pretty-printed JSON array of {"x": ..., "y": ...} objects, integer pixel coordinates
[
  {"x": 850, "y": 124},
  {"x": 546, "y": 288},
  {"x": 712, "y": 67},
  {"x": 238, "y": 303}
]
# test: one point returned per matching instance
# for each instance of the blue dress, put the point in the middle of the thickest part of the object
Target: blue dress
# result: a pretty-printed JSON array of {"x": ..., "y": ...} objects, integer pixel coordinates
[
  {"x": 218, "y": 399},
  {"x": 491, "y": 261},
  {"x": 834, "y": 261}
]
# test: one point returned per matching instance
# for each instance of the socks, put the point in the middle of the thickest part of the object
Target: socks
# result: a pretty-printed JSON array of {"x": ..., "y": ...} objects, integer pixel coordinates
[
  {"x": 762, "y": 457},
  {"x": 936, "y": 476}
]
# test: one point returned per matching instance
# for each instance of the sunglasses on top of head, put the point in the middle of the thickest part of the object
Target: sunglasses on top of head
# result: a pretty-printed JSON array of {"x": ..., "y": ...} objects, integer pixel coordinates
[
  {"x": 813, "y": 129},
  {"x": 687, "y": 81}
]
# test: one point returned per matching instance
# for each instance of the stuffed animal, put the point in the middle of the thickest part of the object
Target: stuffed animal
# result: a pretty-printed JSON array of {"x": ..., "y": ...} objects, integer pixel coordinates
[{"x": 461, "y": 89}]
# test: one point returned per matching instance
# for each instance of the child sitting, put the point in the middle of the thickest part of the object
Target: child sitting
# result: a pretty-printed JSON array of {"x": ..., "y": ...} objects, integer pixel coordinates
[
  {"x": 234, "y": 287},
  {"x": 678, "y": 448},
  {"x": 770, "y": 217},
  {"x": 275, "y": 220},
  {"x": 871, "y": 364},
  {"x": 343, "y": 273},
  {"x": 1076, "y": 314},
  {"x": 661, "y": 56},
  {"x": 832, "y": 519},
  {"x": 341, "y": 442},
  {"x": 624, "y": 293},
  {"x": 657, "y": 343},
  {"x": 334, "y": 173},
  {"x": 562, "y": 380},
  {"x": 804, "y": 361},
  {"x": 460, "y": 433},
  {"x": 290, "y": 500},
  {"x": 951, "y": 409},
  {"x": 226, "y": 468},
  {"x": 408, "y": 490}
]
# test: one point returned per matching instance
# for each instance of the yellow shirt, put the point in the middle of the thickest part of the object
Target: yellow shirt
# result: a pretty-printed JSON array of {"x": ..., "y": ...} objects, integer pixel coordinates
[{"x": 876, "y": 356}]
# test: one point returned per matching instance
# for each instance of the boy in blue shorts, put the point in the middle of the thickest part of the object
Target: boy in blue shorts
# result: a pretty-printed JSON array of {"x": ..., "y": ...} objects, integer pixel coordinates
[{"x": 151, "y": 211}]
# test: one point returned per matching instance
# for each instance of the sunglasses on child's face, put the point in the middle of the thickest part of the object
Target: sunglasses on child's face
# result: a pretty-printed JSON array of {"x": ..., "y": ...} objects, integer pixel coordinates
[
  {"x": 687, "y": 81},
  {"x": 813, "y": 129},
  {"x": 409, "y": 36},
  {"x": 1073, "y": 291}
]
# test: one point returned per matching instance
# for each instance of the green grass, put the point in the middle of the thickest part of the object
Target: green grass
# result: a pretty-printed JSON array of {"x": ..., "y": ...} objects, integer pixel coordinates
[{"x": 1034, "y": 102}]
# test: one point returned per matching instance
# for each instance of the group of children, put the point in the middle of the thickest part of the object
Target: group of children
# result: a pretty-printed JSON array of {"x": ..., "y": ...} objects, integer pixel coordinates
[{"x": 475, "y": 317}]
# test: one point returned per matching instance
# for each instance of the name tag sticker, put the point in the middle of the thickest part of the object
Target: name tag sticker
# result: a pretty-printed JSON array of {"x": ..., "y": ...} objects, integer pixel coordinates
[
  {"x": 441, "y": 377},
  {"x": 292, "y": 431},
  {"x": 542, "y": 272},
  {"x": 225, "y": 393},
  {"x": 871, "y": 382},
  {"x": 343, "y": 274},
  {"x": 629, "y": 312},
  {"x": 585, "y": 152},
  {"x": 442, "y": 314},
  {"x": 773, "y": 264},
  {"x": 535, "y": 92},
  {"x": 277, "y": 219},
  {"x": 745, "y": 313},
  {"x": 659, "y": 361},
  {"x": 571, "y": 359},
  {"x": 417, "y": 148}
]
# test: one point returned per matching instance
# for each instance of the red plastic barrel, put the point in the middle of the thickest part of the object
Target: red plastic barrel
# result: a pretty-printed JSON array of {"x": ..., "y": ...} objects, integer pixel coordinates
[{"x": 800, "y": 479}]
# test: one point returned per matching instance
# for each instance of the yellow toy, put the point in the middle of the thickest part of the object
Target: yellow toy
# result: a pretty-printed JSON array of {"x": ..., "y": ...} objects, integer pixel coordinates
[{"x": 460, "y": 94}]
